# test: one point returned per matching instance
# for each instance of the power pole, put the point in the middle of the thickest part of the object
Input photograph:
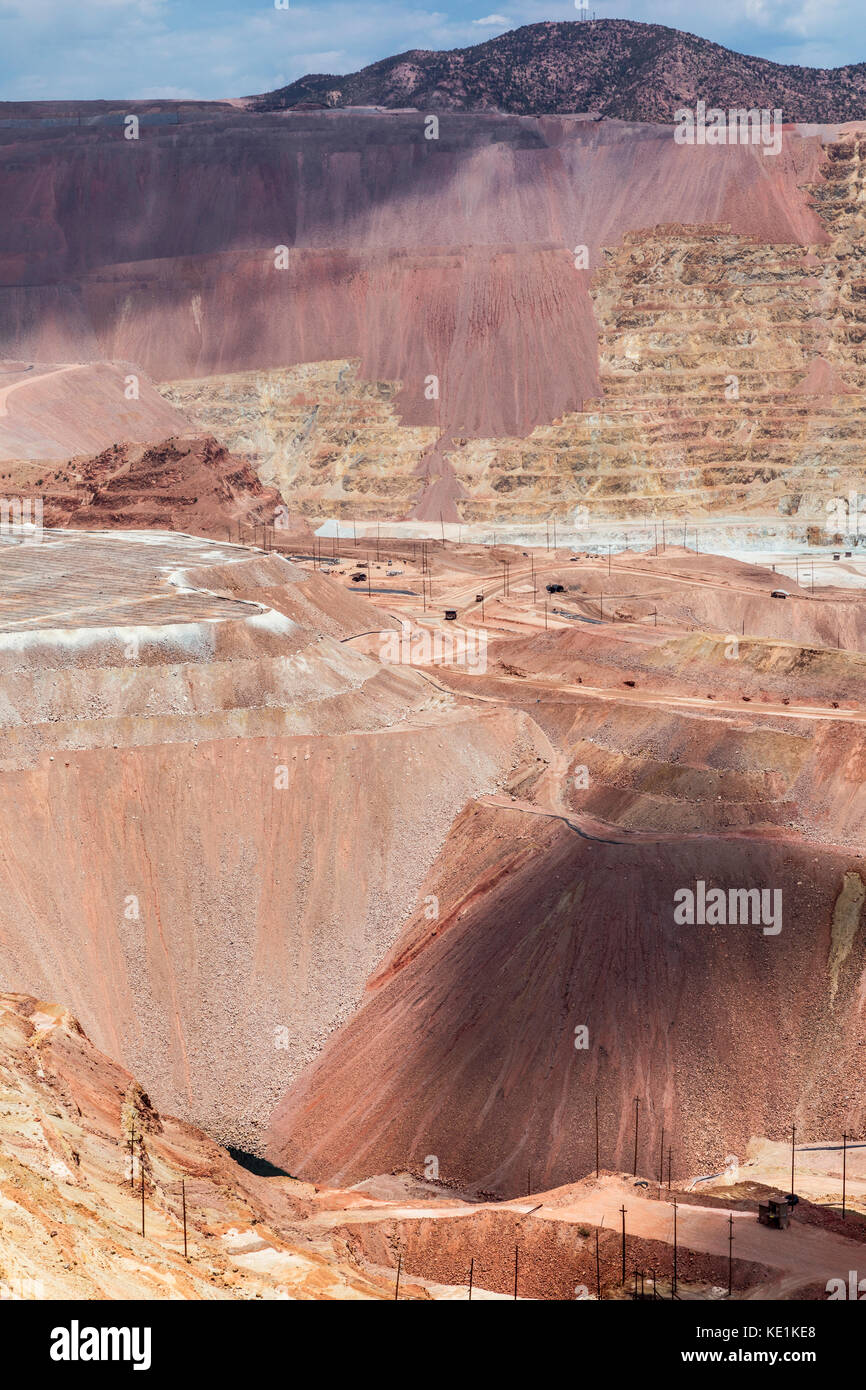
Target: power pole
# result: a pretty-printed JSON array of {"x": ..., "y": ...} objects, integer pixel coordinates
[
  {"x": 793, "y": 1141},
  {"x": 636, "y": 1117},
  {"x": 662, "y": 1158},
  {"x": 844, "y": 1164},
  {"x": 730, "y": 1253},
  {"x": 623, "y": 1210},
  {"x": 141, "y": 1168},
  {"x": 596, "y": 1136},
  {"x": 674, "y": 1280},
  {"x": 597, "y": 1269}
]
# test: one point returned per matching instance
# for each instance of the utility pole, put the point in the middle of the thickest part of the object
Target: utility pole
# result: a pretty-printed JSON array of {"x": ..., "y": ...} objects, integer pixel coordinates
[
  {"x": 662, "y": 1158},
  {"x": 141, "y": 1169},
  {"x": 636, "y": 1117},
  {"x": 844, "y": 1164},
  {"x": 793, "y": 1142},
  {"x": 596, "y": 1136},
  {"x": 597, "y": 1269},
  {"x": 623, "y": 1210},
  {"x": 674, "y": 1280},
  {"x": 730, "y": 1253}
]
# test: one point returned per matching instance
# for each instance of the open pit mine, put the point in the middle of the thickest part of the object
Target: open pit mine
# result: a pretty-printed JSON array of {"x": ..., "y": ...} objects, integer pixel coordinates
[{"x": 433, "y": 689}]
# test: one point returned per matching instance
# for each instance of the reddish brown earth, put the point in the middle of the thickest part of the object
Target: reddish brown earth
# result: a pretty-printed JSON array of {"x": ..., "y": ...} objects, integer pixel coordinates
[
  {"x": 555, "y": 903},
  {"x": 48, "y": 411},
  {"x": 180, "y": 484},
  {"x": 452, "y": 257}
]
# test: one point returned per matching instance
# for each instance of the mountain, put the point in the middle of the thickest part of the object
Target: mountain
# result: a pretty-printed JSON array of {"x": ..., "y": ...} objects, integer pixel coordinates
[{"x": 616, "y": 67}]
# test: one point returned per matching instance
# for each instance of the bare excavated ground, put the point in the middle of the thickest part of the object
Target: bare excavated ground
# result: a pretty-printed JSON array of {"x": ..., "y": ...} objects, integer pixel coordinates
[
  {"x": 104, "y": 1197},
  {"x": 342, "y": 881},
  {"x": 696, "y": 729},
  {"x": 230, "y": 810}
]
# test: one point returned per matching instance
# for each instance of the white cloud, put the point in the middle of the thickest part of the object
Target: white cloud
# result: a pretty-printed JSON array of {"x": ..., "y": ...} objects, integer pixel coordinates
[{"x": 492, "y": 21}]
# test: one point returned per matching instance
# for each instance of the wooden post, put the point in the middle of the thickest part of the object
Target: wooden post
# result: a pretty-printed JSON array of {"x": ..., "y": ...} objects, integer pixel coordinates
[
  {"x": 793, "y": 1142},
  {"x": 730, "y": 1253},
  {"x": 623, "y": 1210},
  {"x": 596, "y": 1136},
  {"x": 674, "y": 1280}
]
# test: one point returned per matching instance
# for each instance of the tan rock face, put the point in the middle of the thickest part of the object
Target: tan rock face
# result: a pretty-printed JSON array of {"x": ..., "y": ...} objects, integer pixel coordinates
[
  {"x": 732, "y": 374},
  {"x": 329, "y": 441},
  {"x": 731, "y": 368}
]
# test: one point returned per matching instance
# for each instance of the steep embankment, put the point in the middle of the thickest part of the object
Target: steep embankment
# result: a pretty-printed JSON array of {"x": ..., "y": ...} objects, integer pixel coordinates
[
  {"x": 75, "y": 1127},
  {"x": 49, "y": 412},
  {"x": 227, "y": 820},
  {"x": 441, "y": 264},
  {"x": 469, "y": 1046}
]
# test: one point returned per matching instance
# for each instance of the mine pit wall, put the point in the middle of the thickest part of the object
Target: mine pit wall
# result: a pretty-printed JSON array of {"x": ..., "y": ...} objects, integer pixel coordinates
[
  {"x": 730, "y": 358},
  {"x": 465, "y": 1048},
  {"x": 186, "y": 910},
  {"x": 555, "y": 1261}
]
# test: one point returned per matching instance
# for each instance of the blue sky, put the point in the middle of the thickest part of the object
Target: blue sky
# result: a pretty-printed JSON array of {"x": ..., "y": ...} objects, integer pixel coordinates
[{"x": 217, "y": 48}]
